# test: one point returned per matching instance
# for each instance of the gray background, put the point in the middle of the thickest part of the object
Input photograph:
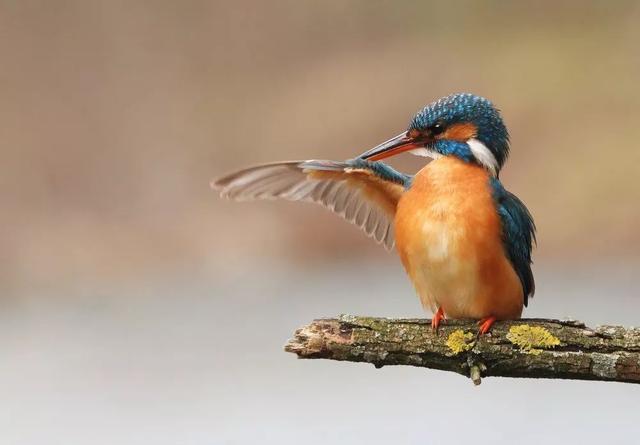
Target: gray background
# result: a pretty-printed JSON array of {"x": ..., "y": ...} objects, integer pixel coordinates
[{"x": 139, "y": 308}]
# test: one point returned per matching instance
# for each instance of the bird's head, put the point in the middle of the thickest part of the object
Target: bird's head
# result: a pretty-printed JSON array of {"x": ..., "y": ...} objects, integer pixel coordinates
[{"x": 462, "y": 125}]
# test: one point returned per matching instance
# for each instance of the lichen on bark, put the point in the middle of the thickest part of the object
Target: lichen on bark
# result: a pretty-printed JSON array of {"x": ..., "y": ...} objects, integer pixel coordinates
[
  {"x": 532, "y": 339},
  {"x": 460, "y": 341}
]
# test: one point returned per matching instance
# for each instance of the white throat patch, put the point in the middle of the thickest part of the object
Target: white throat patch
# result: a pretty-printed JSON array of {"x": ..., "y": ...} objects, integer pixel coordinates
[
  {"x": 425, "y": 153},
  {"x": 483, "y": 155}
]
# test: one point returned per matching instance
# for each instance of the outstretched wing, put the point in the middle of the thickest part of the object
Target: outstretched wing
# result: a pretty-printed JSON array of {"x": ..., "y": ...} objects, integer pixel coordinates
[
  {"x": 364, "y": 193},
  {"x": 518, "y": 235}
]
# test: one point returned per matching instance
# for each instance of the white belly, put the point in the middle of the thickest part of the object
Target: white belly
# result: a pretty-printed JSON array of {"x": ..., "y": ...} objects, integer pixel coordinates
[{"x": 442, "y": 270}]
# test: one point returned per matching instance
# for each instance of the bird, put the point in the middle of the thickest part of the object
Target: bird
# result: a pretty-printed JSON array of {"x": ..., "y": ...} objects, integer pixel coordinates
[{"x": 464, "y": 240}]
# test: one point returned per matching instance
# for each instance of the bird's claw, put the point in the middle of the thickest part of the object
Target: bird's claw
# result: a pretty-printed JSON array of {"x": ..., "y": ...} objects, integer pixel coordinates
[
  {"x": 485, "y": 325},
  {"x": 438, "y": 317}
]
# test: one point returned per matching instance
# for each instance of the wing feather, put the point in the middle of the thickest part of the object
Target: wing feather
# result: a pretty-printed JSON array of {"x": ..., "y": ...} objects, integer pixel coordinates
[
  {"x": 518, "y": 235},
  {"x": 363, "y": 193}
]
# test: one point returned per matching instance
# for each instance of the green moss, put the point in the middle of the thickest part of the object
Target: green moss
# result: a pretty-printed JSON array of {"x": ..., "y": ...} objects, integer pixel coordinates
[
  {"x": 532, "y": 339},
  {"x": 459, "y": 342}
]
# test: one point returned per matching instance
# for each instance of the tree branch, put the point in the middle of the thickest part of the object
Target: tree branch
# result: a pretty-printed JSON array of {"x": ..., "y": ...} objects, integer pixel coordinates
[{"x": 538, "y": 348}]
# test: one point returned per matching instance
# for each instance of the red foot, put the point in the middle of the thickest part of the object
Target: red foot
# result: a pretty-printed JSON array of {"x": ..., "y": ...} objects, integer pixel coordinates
[
  {"x": 437, "y": 318},
  {"x": 485, "y": 324}
]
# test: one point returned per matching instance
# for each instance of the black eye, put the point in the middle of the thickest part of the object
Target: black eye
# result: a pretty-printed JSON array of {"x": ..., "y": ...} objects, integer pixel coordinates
[{"x": 436, "y": 128}]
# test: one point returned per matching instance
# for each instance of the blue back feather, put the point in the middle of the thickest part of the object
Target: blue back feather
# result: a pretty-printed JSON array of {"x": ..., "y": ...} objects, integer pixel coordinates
[{"x": 518, "y": 234}]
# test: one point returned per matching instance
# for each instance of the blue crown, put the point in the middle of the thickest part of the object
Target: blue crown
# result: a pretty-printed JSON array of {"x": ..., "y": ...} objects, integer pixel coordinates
[{"x": 468, "y": 108}]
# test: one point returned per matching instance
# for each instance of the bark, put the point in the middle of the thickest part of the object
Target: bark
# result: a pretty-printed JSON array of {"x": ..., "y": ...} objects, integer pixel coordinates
[{"x": 535, "y": 348}]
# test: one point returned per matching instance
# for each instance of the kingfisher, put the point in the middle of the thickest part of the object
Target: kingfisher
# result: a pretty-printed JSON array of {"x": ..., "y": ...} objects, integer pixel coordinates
[{"x": 464, "y": 240}]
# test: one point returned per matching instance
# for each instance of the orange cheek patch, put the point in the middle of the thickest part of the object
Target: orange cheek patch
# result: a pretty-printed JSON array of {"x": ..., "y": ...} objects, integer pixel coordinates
[{"x": 460, "y": 132}]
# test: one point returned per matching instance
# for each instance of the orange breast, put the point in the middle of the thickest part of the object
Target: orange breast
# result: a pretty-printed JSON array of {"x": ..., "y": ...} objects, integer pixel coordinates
[{"x": 448, "y": 235}]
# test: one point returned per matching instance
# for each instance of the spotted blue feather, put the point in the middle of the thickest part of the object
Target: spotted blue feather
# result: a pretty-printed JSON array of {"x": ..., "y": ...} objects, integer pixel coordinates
[
  {"x": 382, "y": 170},
  {"x": 466, "y": 107}
]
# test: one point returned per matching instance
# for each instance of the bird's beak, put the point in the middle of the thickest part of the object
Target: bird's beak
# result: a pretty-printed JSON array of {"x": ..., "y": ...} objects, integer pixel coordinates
[{"x": 398, "y": 144}]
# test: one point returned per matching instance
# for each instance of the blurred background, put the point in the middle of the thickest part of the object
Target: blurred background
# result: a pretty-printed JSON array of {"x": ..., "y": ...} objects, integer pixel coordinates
[{"x": 137, "y": 307}]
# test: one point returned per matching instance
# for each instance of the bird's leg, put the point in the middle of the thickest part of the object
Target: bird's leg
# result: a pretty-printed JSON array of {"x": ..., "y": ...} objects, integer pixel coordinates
[
  {"x": 485, "y": 324},
  {"x": 437, "y": 318}
]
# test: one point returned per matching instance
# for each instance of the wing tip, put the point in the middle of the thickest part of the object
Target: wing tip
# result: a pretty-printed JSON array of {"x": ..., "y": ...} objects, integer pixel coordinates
[
  {"x": 214, "y": 184},
  {"x": 220, "y": 186}
]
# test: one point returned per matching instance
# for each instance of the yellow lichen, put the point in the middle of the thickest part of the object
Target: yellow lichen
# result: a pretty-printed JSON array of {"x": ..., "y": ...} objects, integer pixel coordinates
[
  {"x": 459, "y": 342},
  {"x": 532, "y": 339}
]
